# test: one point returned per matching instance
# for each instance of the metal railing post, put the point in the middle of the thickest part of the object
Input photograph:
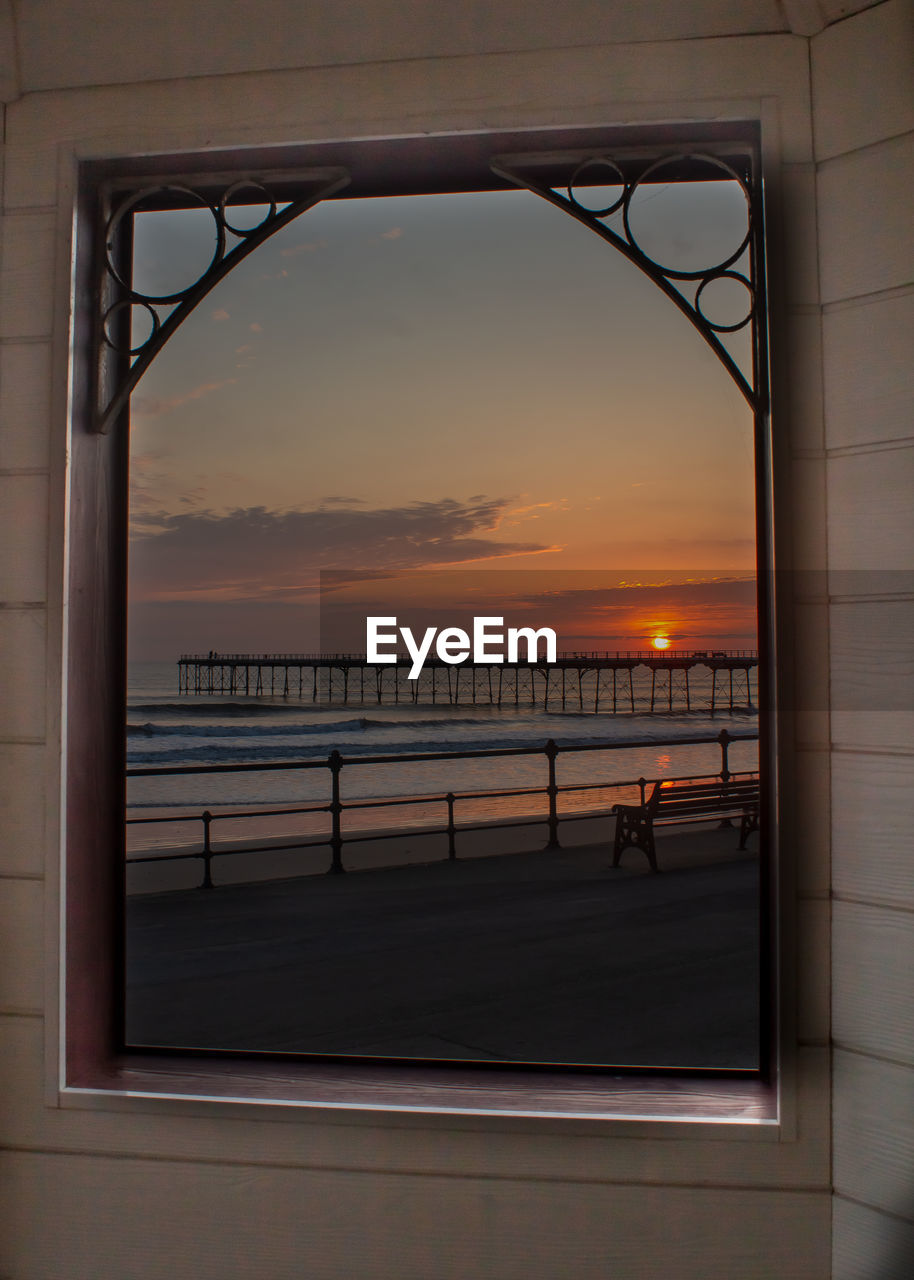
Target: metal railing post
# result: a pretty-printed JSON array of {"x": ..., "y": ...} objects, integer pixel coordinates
[
  {"x": 451, "y": 829},
  {"x": 207, "y": 855},
  {"x": 724, "y": 741},
  {"x": 335, "y": 763},
  {"x": 552, "y": 791}
]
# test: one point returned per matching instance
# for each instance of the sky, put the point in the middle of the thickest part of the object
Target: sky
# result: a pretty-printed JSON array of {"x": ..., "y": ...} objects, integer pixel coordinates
[{"x": 452, "y": 400}]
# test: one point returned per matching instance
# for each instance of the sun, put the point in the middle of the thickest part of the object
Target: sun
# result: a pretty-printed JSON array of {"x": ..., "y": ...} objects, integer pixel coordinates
[{"x": 661, "y": 642}]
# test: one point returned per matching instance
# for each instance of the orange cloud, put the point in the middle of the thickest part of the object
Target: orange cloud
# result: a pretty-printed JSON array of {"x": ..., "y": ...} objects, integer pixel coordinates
[
  {"x": 154, "y": 407},
  {"x": 308, "y": 246}
]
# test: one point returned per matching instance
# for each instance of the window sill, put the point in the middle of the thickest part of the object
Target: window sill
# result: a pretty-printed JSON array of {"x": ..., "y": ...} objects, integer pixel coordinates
[{"x": 417, "y": 1091}]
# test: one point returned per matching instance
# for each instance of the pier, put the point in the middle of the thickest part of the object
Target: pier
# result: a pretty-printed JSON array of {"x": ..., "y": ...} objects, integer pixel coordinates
[{"x": 658, "y": 681}]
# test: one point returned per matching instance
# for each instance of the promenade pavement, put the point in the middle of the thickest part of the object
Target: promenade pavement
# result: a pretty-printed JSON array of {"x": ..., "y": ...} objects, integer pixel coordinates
[{"x": 542, "y": 956}]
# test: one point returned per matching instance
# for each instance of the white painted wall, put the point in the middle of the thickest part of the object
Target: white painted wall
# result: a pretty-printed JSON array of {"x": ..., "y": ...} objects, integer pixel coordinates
[
  {"x": 863, "y": 98},
  {"x": 142, "y": 1188}
]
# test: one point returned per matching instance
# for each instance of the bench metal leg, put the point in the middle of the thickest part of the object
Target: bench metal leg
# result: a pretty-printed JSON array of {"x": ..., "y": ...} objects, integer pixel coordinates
[
  {"x": 634, "y": 829},
  {"x": 748, "y": 824}
]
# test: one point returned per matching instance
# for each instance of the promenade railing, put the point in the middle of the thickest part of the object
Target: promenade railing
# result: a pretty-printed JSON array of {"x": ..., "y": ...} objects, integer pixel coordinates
[
  {"x": 336, "y": 806},
  {"x": 600, "y": 655}
]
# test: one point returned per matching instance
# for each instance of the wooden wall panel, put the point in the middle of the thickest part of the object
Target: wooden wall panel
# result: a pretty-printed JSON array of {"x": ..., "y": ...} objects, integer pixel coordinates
[
  {"x": 869, "y": 373},
  {"x": 813, "y": 990},
  {"x": 26, "y": 275},
  {"x": 802, "y": 338},
  {"x": 810, "y": 648},
  {"x": 864, "y": 224},
  {"x": 869, "y": 1245},
  {"x": 872, "y": 824},
  {"x": 874, "y": 1133},
  {"x": 589, "y": 85},
  {"x": 800, "y": 266},
  {"x": 22, "y": 649},
  {"x": 630, "y": 1152},
  {"x": 23, "y": 804},
  {"x": 22, "y": 931},
  {"x": 870, "y": 523},
  {"x": 136, "y": 1219},
  {"x": 811, "y": 823},
  {"x": 872, "y": 674},
  {"x": 24, "y": 546},
  {"x": 872, "y": 963},
  {"x": 848, "y": 59},
  {"x": 89, "y": 44},
  {"x": 25, "y": 376}
]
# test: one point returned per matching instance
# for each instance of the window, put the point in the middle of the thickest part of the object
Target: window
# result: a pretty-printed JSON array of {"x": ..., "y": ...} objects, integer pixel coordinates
[{"x": 451, "y": 280}]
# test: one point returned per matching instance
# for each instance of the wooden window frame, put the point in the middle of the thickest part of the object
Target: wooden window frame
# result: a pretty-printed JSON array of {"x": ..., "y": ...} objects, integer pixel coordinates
[{"x": 92, "y": 1060}]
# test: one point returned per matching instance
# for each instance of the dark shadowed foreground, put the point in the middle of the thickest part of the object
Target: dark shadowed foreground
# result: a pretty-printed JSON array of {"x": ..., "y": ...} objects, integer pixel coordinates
[{"x": 534, "y": 957}]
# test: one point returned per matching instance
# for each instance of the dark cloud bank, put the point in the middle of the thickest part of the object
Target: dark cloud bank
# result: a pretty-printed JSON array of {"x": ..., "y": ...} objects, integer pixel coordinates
[{"x": 254, "y": 553}]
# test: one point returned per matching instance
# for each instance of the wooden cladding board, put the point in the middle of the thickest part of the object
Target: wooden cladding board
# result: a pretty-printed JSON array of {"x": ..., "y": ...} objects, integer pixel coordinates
[
  {"x": 22, "y": 931},
  {"x": 22, "y": 653},
  {"x": 874, "y": 1132},
  {"x": 872, "y": 674},
  {"x": 23, "y": 804},
  {"x": 872, "y": 823},
  {"x": 864, "y": 202},
  {"x": 869, "y": 1245},
  {"x": 872, "y": 963},
  {"x": 847, "y": 58},
  {"x": 25, "y": 376},
  {"x": 870, "y": 529},
  {"x": 117, "y": 1219},
  {"x": 27, "y": 275},
  {"x": 70, "y": 42},
  {"x": 23, "y": 548},
  {"x": 869, "y": 373}
]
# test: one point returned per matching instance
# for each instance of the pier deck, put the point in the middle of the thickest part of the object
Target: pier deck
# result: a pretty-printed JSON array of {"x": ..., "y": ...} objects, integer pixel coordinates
[{"x": 591, "y": 681}]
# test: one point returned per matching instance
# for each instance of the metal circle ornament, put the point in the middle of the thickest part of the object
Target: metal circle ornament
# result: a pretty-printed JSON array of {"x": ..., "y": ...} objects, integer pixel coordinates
[
  {"x": 716, "y": 279},
  {"x": 246, "y": 184},
  {"x": 117, "y": 309},
  {"x": 631, "y": 213},
  {"x": 597, "y": 162},
  {"x": 189, "y": 198}
]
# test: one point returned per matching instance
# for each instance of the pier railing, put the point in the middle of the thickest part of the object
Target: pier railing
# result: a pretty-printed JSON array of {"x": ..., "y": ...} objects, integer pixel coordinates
[{"x": 336, "y": 806}]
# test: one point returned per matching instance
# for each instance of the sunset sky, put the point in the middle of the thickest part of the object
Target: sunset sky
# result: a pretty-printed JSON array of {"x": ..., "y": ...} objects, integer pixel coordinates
[{"x": 413, "y": 384}]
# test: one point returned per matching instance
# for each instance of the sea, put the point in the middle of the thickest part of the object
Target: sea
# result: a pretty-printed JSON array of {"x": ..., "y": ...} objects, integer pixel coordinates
[{"x": 172, "y": 731}]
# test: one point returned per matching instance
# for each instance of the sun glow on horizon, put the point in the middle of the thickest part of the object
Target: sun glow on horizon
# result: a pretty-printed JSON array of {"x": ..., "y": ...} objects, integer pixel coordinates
[{"x": 661, "y": 642}]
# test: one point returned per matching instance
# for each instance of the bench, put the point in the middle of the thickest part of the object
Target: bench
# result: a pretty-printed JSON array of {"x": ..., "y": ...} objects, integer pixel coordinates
[{"x": 675, "y": 802}]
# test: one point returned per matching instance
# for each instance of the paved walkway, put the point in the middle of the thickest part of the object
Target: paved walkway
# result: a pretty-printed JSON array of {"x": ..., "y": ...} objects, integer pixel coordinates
[{"x": 543, "y": 956}]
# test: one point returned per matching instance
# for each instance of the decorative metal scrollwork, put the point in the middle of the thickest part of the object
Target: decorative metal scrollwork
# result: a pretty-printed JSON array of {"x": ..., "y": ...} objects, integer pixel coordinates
[
  {"x": 615, "y": 183},
  {"x": 122, "y": 359},
  {"x": 566, "y": 180}
]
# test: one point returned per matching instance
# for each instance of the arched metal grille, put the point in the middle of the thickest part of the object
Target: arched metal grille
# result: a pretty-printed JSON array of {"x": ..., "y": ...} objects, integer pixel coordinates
[
  {"x": 122, "y": 359},
  {"x": 599, "y": 189}
]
